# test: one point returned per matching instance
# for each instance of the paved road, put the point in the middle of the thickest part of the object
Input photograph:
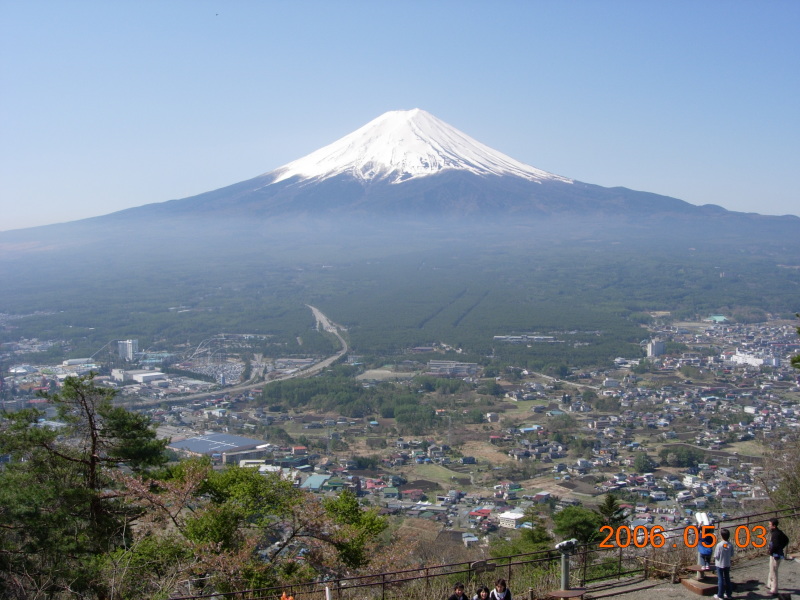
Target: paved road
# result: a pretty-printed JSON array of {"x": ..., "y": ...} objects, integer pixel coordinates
[
  {"x": 580, "y": 386},
  {"x": 330, "y": 327},
  {"x": 748, "y": 576},
  {"x": 322, "y": 321}
]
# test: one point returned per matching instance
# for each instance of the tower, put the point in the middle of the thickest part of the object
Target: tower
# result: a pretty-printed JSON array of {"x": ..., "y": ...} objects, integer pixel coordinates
[
  {"x": 128, "y": 349},
  {"x": 656, "y": 348}
]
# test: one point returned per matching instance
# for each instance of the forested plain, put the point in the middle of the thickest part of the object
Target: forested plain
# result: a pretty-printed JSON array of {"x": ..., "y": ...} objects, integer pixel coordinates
[
  {"x": 336, "y": 391},
  {"x": 591, "y": 295},
  {"x": 186, "y": 526}
]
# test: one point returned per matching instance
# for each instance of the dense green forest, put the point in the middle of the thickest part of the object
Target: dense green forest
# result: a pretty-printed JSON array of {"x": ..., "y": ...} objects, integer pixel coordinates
[
  {"x": 412, "y": 407},
  {"x": 592, "y": 296}
]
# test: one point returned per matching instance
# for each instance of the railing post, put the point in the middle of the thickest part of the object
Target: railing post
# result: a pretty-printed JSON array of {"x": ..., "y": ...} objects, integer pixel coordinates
[
  {"x": 649, "y": 566},
  {"x": 585, "y": 562}
]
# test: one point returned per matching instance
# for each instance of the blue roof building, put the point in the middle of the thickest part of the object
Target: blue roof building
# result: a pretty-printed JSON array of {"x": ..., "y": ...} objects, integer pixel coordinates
[{"x": 315, "y": 482}]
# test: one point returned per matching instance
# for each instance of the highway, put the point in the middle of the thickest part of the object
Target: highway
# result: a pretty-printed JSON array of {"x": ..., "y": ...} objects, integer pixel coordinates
[
  {"x": 323, "y": 322},
  {"x": 330, "y": 327}
]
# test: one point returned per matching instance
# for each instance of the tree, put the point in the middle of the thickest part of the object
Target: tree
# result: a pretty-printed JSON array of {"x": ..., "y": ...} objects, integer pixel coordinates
[
  {"x": 563, "y": 422},
  {"x": 534, "y": 539},
  {"x": 608, "y": 404},
  {"x": 577, "y": 522},
  {"x": 356, "y": 528},
  {"x": 512, "y": 374},
  {"x": 610, "y": 511},
  {"x": 681, "y": 456},
  {"x": 491, "y": 388},
  {"x": 237, "y": 529},
  {"x": 690, "y": 371},
  {"x": 62, "y": 510},
  {"x": 796, "y": 357},
  {"x": 537, "y": 536},
  {"x": 643, "y": 464}
]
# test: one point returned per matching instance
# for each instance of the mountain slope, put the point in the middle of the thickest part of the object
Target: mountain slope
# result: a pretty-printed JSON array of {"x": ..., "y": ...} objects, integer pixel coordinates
[
  {"x": 405, "y": 215},
  {"x": 409, "y": 164},
  {"x": 408, "y": 169}
]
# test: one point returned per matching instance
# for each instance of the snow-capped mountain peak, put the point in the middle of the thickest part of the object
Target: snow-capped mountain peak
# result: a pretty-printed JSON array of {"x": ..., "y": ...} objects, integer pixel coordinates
[{"x": 402, "y": 145}]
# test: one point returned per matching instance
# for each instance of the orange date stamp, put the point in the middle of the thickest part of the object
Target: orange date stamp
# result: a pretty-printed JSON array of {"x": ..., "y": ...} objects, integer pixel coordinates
[{"x": 640, "y": 536}]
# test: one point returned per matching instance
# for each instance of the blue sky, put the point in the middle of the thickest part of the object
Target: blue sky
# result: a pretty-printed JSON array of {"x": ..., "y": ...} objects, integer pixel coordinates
[{"x": 108, "y": 105}]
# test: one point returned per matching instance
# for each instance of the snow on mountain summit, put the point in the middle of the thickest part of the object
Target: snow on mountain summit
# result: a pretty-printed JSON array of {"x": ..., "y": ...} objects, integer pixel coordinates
[{"x": 405, "y": 144}]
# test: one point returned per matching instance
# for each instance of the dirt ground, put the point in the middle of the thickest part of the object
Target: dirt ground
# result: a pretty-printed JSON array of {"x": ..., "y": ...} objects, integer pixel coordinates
[
  {"x": 384, "y": 375},
  {"x": 547, "y": 484},
  {"x": 423, "y": 530},
  {"x": 485, "y": 453}
]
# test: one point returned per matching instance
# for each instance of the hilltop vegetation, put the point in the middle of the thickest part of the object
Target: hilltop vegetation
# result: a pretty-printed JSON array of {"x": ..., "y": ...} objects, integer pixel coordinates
[{"x": 90, "y": 510}]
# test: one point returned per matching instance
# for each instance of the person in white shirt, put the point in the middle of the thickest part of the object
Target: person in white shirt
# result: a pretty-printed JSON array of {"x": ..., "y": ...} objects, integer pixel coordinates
[
  {"x": 500, "y": 591},
  {"x": 723, "y": 554}
]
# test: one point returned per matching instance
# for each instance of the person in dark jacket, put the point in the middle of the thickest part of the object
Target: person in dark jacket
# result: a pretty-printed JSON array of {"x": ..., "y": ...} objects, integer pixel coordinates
[
  {"x": 458, "y": 592},
  {"x": 500, "y": 591},
  {"x": 777, "y": 549}
]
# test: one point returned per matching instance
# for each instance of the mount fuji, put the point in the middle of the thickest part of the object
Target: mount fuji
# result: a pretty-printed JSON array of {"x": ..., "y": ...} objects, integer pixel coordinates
[
  {"x": 403, "y": 145},
  {"x": 409, "y": 231},
  {"x": 409, "y": 164},
  {"x": 400, "y": 174}
]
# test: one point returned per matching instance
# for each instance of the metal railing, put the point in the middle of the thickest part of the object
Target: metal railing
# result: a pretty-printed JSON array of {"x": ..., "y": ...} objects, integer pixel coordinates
[{"x": 538, "y": 571}]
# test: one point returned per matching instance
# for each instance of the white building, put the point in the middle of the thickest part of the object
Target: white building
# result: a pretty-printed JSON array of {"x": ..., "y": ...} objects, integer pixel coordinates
[
  {"x": 71, "y": 362},
  {"x": 148, "y": 376},
  {"x": 138, "y": 375},
  {"x": 127, "y": 348},
  {"x": 656, "y": 348},
  {"x": 742, "y": 358},
  {"x": 510, "y": 520}
]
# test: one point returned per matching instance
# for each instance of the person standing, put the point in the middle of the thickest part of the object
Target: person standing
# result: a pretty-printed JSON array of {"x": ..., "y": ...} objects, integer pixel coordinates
[
  {"x": 705, "y": 550},
  {"x": 777, "y": 548},
  {"x": 723, "y": 554},
  {"x": 500, "y": 591}
]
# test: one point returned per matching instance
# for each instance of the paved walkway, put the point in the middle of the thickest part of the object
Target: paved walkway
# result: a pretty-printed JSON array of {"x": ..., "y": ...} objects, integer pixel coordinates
[{"x": 749, "y": 578}]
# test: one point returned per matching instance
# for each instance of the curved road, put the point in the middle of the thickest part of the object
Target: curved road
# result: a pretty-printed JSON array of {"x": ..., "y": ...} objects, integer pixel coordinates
[
  {"x": 322, "y": 321},
  {"x": 330, "y": 327}
]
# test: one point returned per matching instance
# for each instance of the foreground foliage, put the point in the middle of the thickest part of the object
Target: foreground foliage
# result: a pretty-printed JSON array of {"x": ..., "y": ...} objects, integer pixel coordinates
[
  {"x": 61, "y": 509},
  {"x": 89, "y": 511}
]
